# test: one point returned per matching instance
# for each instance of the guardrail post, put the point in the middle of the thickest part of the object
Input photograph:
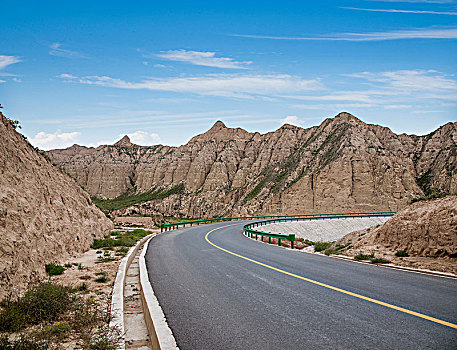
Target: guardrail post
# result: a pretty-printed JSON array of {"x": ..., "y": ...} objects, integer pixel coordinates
[
  {"x": 269, "y": 240},
  {"x": 291, "y": 244},
  {"x": 279, "y": 241}
]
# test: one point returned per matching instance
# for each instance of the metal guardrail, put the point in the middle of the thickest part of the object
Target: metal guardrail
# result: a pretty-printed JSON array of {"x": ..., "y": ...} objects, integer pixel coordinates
[
  {"x": 176, "y": 225},
  {"x": 250, "y": 232}
]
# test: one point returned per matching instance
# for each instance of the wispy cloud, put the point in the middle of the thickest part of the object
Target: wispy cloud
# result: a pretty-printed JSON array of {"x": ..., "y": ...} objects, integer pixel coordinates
[
  {"x": 411, "y": 81},
  {"x": 200, "y": 58},
  {"x": 57, "y": 50},
  {"x": 227, "y": 85},
  {"x": 6, "y": 61},
  {"x": 58, "y": 139},
  {"x": 402, "y": 11},
  {"x": 418, "y": 33}
]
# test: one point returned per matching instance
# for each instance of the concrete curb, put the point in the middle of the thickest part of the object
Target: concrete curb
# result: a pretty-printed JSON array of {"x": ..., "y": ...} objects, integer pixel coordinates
[
  {"x": 117, "y": 298},
  {"x": 160, "y": 334}
]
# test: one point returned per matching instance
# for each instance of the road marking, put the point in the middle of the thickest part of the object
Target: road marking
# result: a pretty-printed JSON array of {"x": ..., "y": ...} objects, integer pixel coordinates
[{"x": 359, "y": 296}]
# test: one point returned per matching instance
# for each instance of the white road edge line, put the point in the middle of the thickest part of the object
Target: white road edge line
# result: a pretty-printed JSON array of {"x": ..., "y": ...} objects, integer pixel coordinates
[{"x": 153, "y": 313}]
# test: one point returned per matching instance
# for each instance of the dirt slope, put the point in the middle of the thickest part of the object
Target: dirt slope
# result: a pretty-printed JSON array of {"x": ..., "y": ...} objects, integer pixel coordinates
[
  {"x": 44, "y": 214},
  {"x": 426, "y": 230}
]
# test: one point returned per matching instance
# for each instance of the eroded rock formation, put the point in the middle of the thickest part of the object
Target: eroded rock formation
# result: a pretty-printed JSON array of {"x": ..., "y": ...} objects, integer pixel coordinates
[
  {"x": 341, "y": 165},
  {"x": 44, "y": 214}
]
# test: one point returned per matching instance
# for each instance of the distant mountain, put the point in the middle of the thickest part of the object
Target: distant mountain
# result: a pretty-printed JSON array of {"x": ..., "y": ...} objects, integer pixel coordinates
[
  {"x": 341, "y": 165},
  {"x": 45, "y": 216}
]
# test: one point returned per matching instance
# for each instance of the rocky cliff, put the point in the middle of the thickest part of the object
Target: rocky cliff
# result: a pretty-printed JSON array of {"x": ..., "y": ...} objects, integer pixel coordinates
[
  {"x": 44, "y": 215},
  {"x": 341, "y": 165}
]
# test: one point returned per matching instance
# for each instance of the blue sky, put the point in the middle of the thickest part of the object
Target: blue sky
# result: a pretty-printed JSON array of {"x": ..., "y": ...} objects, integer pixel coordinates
[{"x": 88, "y": 72}]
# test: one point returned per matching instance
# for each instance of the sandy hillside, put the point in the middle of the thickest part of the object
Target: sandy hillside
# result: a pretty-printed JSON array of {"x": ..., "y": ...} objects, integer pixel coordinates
[
  {"x": 426, "y": 230},
  {"x": 44, "y": 215}
]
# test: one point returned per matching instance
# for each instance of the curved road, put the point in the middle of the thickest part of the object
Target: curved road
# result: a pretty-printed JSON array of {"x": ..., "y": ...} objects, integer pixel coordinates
[{"x": 230, "y": 292}]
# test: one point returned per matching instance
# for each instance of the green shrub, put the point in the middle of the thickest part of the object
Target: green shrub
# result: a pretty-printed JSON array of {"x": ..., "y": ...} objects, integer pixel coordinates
[
  {"x": 102, "y": 277},
  {"x": 364, "y": 256},
  {"x": 308, "y": 242},
  {"x": 379, "y": 261},
  {"x": 53, "y": 270},
  {"x": 68, "y": 265},
  {"x": 401, "y": 253},
  {"x": 82, "y": 287},
  {"x": 330, "y": 252},
  {"x": 320, "y": 246},
  {"x": 45, "y": 302},
  {"x": 23, "y": 342}
]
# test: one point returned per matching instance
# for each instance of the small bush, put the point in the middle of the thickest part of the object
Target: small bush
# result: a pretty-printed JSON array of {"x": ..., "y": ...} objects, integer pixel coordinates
[
  {"x": 308, "y": 242},
  {"x": 81, "y": 288},
  {"x": 320, "y": 246},
  {"x": 300, "y": 239},
  {"x": 68, "y": 265},
  {"x": 102, "y": 259},
  {"x": 53, "y": 270},
  {"x": 102, "y": 278},
  {"x": 57, "y": 329},
  {"x": 379, "y": 261},
  {"x": 401, "y": 253},
  {"x": 330, "y": 252},
  {"x": 45, "y": 302},
  {"x": 364, "y": 256}
]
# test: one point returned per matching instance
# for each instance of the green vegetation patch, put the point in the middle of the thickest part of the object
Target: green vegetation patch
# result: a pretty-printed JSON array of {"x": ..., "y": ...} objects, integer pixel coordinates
[
  {"x": 379, "y": 261},
  {"x": 364, "y": 256},
  {"x": 255, "y": 192},
  {"x": 320, "y": 246},
  {"x": 45, "y": 302},
  {"x": 126, "y": 239},
  {"x": 131, "y": 197},
  {"x": 401, "y": 253},
  {"x": 54, "y": 270}
]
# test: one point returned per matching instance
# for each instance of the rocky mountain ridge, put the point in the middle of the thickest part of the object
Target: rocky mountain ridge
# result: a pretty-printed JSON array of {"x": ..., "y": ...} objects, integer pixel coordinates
[
  {"x": 343, "y": 164},
  {"x": 44, "y": 215}
]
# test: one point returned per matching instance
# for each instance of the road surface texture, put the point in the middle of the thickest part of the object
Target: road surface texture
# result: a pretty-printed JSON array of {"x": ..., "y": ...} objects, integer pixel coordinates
[{"x": 213, "y": 299}]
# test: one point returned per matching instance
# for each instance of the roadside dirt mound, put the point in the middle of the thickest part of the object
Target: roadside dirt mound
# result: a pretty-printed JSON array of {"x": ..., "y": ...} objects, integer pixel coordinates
[
  {"x": 44, "y": 215},
  {"x": 426, "y": 230}
]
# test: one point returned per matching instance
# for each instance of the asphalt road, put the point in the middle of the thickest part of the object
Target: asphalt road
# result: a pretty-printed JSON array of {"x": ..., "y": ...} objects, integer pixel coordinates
[{"x": 215, "y": 300}]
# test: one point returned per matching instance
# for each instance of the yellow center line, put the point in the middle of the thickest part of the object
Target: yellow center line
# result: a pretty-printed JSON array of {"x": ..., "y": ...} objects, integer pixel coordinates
[{"x": 359, "y": 296}]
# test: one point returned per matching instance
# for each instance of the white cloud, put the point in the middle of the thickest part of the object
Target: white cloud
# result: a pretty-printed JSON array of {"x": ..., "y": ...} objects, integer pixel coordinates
[
  {"x": 5, "y": 61},
  {"x": 231, "y": 85},
  {"x": 409, "y": 81},
  {"x": 143, "y": 138},
  {"x": 67, "y": 76},
  {"x": 291, "y": 119},
  {"x": 58, "y": 139},
  {"x": 57, "y": 50},
  {"x": 418, "y": 33},
  {"x": 199, "y": 58},
  {"x": 402, "y": 11}
]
